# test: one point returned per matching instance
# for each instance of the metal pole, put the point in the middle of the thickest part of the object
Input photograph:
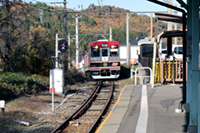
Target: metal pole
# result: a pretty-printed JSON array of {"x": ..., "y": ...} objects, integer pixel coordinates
[
  {"x": 41, "y": 19},
  {"x": 169, "y": 10},
  {"x": 68, "y": 51},
  {"x": 56, "y": 50},
  {"x": 52, "y": 101},
  {"x": 41, "y": 13},
  {"x": 110, "y": 33},
  {"x": 151, "y": 28},
  {"x": 175, "y": 28},
  {"x": 127, "y": 37},
  {"x": 64, "y": 23},
  {"x": 77, "y": 48},
  {"x": 154, "y": 63},
  {"x": 173, "y": 69}
]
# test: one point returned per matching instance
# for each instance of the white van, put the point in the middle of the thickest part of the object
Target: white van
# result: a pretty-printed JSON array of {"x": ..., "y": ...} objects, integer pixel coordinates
[
  {"x": 177, "y": 50},
  {"x": 163, "y": 53}
]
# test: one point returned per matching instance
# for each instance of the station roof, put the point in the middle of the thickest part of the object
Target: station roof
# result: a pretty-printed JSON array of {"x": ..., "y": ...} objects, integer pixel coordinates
[
  {"x": 169, "y": 17},
  {"x": 172, "y": 33}
]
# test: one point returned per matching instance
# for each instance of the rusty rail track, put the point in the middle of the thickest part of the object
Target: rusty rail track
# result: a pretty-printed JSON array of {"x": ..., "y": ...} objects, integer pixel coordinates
[
  {"x": 95, "y": 124},
  {"x": 80, "y": 110}
]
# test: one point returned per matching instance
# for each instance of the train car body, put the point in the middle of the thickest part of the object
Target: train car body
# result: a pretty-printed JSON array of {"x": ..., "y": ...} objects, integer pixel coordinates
[{"x": 103, "y": 60}]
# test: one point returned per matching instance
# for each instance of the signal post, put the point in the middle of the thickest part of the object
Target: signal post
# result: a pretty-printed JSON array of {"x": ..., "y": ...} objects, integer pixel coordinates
[{"x": 57, "y": 74}]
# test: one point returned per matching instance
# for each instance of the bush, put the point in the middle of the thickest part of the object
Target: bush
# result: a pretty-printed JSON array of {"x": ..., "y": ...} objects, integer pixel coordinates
[
  {"x": 20, "y": 83},
  {"x": 73, "y": 75}
]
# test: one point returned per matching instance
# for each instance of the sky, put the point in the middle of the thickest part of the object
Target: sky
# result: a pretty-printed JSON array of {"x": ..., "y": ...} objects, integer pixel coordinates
[{"x": 132, "y": 5}]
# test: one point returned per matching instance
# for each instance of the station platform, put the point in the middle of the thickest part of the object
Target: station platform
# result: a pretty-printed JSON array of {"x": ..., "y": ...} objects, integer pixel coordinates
[{"x": 142, "y": 109}]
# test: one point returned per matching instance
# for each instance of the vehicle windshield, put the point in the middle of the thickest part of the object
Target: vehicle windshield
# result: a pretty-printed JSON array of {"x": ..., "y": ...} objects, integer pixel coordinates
[
  {"x": 95, "y": 51},
  {"x": 164, "y": 52},
  {"x": 180, "y": 50},
  {"x": 104, "y": 52}
]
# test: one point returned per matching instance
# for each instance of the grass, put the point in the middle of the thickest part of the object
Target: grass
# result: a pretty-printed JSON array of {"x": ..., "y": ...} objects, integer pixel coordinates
[
  {"x": 129, "y": 81},
  {"x": 135, "y": 66},
  {"x": 15, "y": 84}
]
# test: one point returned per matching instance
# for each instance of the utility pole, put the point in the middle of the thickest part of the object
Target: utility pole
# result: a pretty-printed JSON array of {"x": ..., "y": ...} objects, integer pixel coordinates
[
  {"x": 127, "y": 38},
  {"x": 175, "y": 27},
  {"x": 41, "y": 12},
  {"x": 56, "y": 50},
  {"x": 110, "y": 33},
  {"x": 69, "y": 51},
  {"x": 65, "y": 15},
  {"x": 77, "y": 47},
  {"x": 169, "y": 10},
  {"x": 77, "y": 40},
  {"x": 65, "y": 24},
  {"x": 151, "y": 28}
]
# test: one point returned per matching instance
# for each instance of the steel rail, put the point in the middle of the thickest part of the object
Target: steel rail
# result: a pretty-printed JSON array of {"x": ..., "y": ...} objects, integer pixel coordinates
[
  {"x": 61, "y": 127},
  {"x": 93, "y": 127}
]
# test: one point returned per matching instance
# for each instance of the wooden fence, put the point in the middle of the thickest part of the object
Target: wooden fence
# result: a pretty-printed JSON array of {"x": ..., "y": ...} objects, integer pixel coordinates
[{"x": 166, "y": 71}]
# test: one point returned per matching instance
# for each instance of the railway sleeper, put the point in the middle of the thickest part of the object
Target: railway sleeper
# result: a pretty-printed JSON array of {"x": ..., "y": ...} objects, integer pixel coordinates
[
  {"x": 74, "y": 123},
  {"x": 95, "y": 110},
  {"x": 101, "y": 99}
]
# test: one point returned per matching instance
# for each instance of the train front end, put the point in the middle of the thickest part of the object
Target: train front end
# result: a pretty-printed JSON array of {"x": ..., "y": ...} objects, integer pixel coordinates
[{"x": 105, "y": 60}]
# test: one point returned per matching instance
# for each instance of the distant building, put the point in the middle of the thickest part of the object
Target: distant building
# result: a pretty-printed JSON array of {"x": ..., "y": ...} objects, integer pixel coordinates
[{"x": 133, "y": 50}]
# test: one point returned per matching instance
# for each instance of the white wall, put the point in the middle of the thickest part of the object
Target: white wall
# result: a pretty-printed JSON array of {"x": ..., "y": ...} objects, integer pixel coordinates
[{"x": 123, "y": 55}]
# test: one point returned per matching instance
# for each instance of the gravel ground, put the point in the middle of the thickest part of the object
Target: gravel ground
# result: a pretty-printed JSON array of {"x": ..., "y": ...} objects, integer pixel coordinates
[{"x": 36, "y": 110}]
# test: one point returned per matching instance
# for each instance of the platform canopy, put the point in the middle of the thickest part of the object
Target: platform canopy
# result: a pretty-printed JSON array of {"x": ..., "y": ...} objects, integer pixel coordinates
[
  {"x": 172, "y": 33},
  {"x": 169, "y": 17}
]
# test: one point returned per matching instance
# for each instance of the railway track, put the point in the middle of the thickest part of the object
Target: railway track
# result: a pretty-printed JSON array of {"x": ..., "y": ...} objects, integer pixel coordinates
[{"x": 88, "y": 115}]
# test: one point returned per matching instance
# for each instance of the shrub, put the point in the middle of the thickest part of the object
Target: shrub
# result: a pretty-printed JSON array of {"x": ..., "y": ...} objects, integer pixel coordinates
[{"x": 21, "y": 83}]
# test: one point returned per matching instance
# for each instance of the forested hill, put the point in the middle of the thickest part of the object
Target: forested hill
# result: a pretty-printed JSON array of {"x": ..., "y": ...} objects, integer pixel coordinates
[
  {"x": 26, "y": 39},
  {"x": 91, "y": 23}
]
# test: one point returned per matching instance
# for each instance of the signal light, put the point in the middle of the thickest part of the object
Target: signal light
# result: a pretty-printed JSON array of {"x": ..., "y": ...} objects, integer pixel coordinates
[{"x": 62, "y": 45}]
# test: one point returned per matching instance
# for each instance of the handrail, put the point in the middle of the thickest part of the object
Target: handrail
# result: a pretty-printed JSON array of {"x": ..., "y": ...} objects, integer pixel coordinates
[{"x": 142, "y": 76}]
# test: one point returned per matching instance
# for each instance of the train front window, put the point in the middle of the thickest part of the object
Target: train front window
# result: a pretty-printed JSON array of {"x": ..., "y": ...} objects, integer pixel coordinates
[
  {"x": 104, "y": 52},
  {"x": 95, "y": 51},
  {"x": 114, "y": 51}
]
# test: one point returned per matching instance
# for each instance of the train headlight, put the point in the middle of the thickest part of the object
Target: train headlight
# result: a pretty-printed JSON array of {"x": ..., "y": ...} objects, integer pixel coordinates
[
  {"x": 96, "y": 47},
  {"x": 112, "y": 46}
]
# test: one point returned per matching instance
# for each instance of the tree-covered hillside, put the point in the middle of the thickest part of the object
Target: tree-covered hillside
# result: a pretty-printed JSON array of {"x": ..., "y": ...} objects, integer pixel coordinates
[{"x": 26, "y": 45}]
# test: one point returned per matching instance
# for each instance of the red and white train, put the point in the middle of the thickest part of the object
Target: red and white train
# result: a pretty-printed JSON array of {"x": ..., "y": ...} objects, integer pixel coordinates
[{"x": 103, "y": 60}]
